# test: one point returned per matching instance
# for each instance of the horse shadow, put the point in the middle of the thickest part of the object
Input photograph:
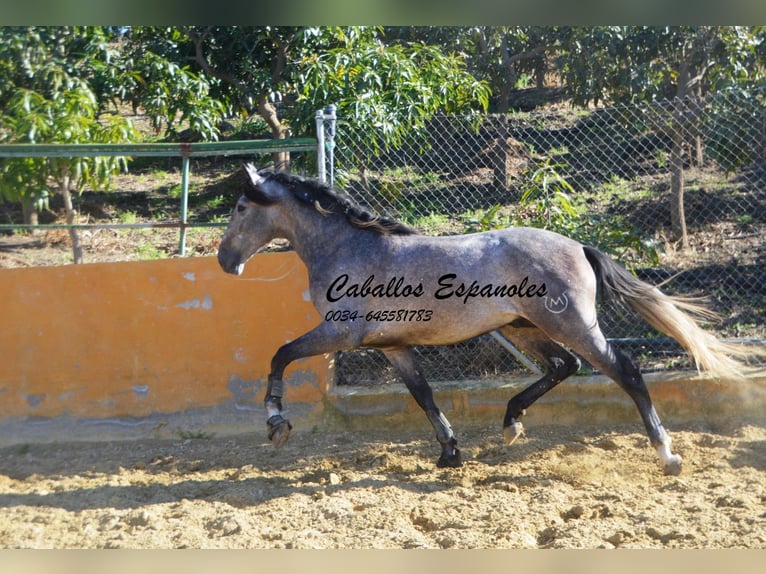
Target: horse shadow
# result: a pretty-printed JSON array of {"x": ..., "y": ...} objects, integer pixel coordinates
[{"x": 242, "y": 471}]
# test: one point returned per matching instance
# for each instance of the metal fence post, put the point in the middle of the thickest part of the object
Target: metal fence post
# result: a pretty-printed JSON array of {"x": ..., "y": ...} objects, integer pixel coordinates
[
  {"x": 330, "y": 121},
  {"x": 319, "y": 119},
  {"x": 325, "y": 122},
  {"x": 184, "y": 199}
]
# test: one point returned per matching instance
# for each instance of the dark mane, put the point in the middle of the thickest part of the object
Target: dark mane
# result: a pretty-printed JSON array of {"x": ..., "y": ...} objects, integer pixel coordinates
[{"x": 327, "y": 200}]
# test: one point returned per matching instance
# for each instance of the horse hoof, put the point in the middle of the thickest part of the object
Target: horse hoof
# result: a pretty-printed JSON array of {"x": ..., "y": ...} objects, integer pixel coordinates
[
  {"x": 672, "y": 467},
  {"x": 453, "y": 460},
  {"x": 512, "y": 432},
  {"x": 279, "y": 430}
]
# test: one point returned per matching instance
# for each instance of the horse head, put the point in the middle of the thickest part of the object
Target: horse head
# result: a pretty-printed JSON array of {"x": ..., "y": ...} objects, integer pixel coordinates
[{"x": 254, "y": 220}]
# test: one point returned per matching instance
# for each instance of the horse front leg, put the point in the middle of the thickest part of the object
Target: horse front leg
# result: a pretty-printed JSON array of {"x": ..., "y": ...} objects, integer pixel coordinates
[
  {"x": 322, "y": 339},
  {"x": 403, "y": 361},
  {"x": 278, "y": 427}
]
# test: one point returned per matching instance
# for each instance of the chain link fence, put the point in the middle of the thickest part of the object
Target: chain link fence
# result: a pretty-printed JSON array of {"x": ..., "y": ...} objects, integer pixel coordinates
[{"x": 607, "y": 177}]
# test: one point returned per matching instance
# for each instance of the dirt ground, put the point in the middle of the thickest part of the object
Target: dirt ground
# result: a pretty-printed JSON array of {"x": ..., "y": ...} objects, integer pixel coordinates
[{"x": 556, "y": 487}]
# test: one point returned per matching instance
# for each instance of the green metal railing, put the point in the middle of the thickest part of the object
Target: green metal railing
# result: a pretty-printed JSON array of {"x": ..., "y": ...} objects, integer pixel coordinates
[{"x": 185, "y": 151}]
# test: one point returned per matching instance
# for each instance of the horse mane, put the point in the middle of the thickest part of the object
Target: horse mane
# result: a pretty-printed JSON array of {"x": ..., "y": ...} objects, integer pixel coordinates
[{"x": 327, "y": 200}]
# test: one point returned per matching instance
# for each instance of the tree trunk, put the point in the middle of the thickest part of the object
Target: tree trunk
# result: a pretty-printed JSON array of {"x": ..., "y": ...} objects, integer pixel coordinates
[
  {"x": 509, "y": 81},
  {"x": 269, "y": 113},
  {"x": 500, "y": 155},
  {"x": 677, "y": 215},
  {"x": 541, "y": 66},
  {"x": 71, "y": 215},
  {"x": 699, "y": 151},
  {"x": 29, "y": 212},
  {"x": 504, "y": 96},
  {"x": 699, "y": 148}
]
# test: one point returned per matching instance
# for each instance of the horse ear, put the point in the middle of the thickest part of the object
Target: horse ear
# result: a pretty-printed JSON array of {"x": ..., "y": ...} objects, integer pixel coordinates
[
  {"x": 256, "y": 190},
  {"x": 252, "y": 174}
]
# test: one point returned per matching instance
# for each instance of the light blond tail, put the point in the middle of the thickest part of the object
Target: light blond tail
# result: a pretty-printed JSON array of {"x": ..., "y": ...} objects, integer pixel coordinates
[{"x": 677, "y": 317}]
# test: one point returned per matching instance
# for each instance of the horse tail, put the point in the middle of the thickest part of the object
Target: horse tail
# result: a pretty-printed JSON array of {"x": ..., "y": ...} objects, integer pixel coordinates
[{"x": 675, "y": 316}]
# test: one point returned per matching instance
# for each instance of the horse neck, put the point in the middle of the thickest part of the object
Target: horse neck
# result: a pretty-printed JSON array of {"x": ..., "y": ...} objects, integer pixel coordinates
[{"x": 316, "y": 237}]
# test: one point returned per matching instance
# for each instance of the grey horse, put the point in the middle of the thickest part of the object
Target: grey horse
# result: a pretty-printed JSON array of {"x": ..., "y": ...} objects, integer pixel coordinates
[{"x": 377, "y": 283}]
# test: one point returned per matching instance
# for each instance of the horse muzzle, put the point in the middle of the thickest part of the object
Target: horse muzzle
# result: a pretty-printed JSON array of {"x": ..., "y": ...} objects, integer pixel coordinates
[{"x": 230, "y": 262}]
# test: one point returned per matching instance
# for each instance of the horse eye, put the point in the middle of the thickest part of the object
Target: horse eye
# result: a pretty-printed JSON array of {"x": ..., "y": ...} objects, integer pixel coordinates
[{"x": 240, "y": 208}]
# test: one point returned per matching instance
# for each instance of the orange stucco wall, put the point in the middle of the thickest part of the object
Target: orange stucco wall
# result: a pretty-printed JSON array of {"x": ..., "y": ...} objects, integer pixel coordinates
[{"x": 131, "y": 339}]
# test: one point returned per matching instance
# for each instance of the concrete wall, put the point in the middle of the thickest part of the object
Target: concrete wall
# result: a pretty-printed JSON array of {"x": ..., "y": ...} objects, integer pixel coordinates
[{"x": 123, "y": 345}]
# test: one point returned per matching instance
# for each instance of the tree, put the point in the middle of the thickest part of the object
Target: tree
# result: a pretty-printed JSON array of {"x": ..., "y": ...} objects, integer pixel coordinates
[
  {"x": 392, "y": 91},
  {"x": 388, "y": 92},
  {"x": 682, "y": 63},
  {"x": 285, "y": 73},
  {"x": 165, "y": 88},
  {"x": 47, "y": 97},
  {"x": 505, "y": 57},
  {"x": 237, "y": 71}
]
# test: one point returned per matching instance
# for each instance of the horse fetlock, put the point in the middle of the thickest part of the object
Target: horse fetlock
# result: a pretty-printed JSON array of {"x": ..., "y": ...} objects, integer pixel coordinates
[
  {"x": 442, "y": 427},
  {"x": 279, "y": 430},
  {"x": 513, "y": 431},
  {"x": 273, "y": 404},
  {"x": 514, "y": 411}
]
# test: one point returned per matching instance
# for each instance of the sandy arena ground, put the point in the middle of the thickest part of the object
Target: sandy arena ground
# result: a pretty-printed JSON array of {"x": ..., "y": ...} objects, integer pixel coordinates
[{"x": 556, "y": 487}]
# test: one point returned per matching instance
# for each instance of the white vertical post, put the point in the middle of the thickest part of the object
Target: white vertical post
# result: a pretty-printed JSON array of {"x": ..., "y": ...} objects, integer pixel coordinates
[
  {"x": 330, "y": 119},
  {"x": 325, "y": 122},
  {"x": 184, "y": 203},
  {"x": 319, "y": 119}
]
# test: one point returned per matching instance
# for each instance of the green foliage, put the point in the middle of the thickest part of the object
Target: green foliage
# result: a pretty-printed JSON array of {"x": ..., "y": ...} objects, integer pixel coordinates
[
  {"x": 201, "y": 74},
  {"x": 683, "y": 64},
  {"x": 732, "y": 138},
  {"x": 505, "y": 57},
  {"x": 486, "y": 220},
  {"x": 547, "y": 202},
  {"x": 392, "y": 91},
  {"x": 148, "y": 251},
  {"x": 645, "y": 63},
  {"x": 429, "y": 224},
  {"x": 47, "y": 97},
  {"x": 171, "y": 95},
  {"x": 547, "y": 197}
]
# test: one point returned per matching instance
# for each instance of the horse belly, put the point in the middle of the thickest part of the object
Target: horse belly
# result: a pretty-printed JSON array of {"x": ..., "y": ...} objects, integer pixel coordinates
[{"x": 445, "y": 325}]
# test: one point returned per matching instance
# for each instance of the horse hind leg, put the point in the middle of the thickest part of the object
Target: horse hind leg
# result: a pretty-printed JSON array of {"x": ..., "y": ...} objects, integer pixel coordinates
[
  {"x": 622, "y": 369},
  {"x": 558, "y": 364},
  {"x": 403, "y": 360}
]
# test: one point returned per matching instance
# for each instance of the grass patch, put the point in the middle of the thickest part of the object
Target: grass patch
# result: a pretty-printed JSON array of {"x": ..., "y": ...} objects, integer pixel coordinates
[
  {"x": 128, "y": 217},
  {"x": 150, "y": 251}
]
